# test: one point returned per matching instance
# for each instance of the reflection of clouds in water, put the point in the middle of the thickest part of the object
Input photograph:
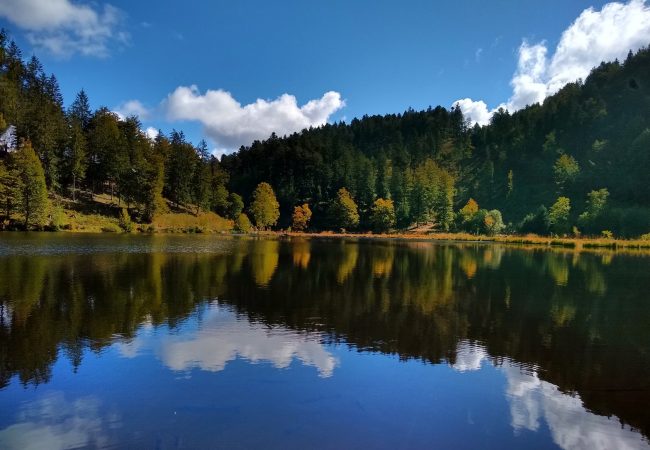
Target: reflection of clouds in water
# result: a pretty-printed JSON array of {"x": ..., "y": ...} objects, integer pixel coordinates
[
  {"x": 572, "y": 427},
  {"x": 469, "y": 356},
  {"x": 52, "y": 422},
  {"x": 533, "y": 400},
  {"x": 222, "y": 337},
  {"x": 6, "y": 313}
]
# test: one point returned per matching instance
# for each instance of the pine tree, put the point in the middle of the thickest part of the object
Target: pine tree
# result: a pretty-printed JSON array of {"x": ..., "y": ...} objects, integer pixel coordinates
[
  {"x": 79, "y": 112},
  {"x": 75, "y": 156},
  {"x": 30, "y": 193}
]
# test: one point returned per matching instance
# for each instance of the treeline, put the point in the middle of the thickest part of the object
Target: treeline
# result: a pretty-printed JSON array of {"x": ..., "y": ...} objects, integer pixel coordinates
[
  {"x": 574, "y": 165},
  {"x": 65, "y": 151}
]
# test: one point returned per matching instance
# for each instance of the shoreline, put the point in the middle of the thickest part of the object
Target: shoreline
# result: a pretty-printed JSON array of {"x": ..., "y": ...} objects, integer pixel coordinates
[
  {"x": 528, "y": 241},
  {"x": 514, "y": 240}
]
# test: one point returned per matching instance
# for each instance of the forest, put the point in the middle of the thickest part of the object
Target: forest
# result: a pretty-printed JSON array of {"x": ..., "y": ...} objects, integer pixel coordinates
[{"x": 574, "y": 165}]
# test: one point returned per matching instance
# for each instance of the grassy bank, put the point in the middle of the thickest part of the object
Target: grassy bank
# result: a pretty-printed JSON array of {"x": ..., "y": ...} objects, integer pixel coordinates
[{"x": 528, "y": 240}]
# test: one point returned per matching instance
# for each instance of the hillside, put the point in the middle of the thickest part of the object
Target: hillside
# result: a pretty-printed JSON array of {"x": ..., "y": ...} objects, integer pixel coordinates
[
  {"x": 603, "y": 124},
  {"x": 576, "y": 164}
]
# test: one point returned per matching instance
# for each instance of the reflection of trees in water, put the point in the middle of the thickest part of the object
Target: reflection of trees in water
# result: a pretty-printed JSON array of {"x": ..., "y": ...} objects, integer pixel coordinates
[
  {"x": 301, "y": 253},
  {"x": 264, "y": 260},
  {"x": 582, "y": 322},
  {"x": 348, "y": 261}
]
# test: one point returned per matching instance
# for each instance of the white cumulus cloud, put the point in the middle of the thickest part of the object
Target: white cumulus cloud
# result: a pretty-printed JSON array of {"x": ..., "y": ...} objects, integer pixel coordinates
[
  {"x": 63, "y": 27},
  {"x": 151, "y": 132},
  {"x": 132, "y": 108},
  {"x": 231, "y": 125},
  {"x": 475, "y": 111},
  {"x": 595, "y": 36}
]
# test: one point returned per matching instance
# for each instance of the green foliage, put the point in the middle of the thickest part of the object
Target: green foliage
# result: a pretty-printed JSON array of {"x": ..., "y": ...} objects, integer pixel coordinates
[
  {"x": 607, "y": 234},
  {"x": 300, "y": 218},
  {"x": 425, "y": 191},
  {"x": 593, "y": 218},
  {"x": 444, "y": 202},
  {"x": 511, "y": 182},
  {"x": 382, "y": 215},
  {"x": 235, "y": 205},
  {"x": 125, "y": 222},
  {"x": 599, "y": 145},
  {"x": 558, "y": 216},
  {"x": 8, "y": 183},
  {"x": 493, "y": 223},
  {"x": 421, "y": 160},
  {"x": 181, "y": 165},
  {"x": 265, "y": 207},
  {"x": 220, "y": 200},
  {"x": 243, "y": 224},
  {"x": 202, "y": 180},
  {"x": 30, "y": 191},
  {"x": 550, "y": 143},
  {"x": 56, "y": 217},
  {"x": 75, "y": 159},
  {"x": 467, "y": 213},
  {"x": 535, "y": 223},
  {"x": 566, "y": 170},
  {"x": 344, "y": 212}
]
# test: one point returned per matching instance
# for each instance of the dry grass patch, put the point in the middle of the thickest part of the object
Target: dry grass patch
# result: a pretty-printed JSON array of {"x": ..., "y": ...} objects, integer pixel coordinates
[{"x": 205, "y": 222}]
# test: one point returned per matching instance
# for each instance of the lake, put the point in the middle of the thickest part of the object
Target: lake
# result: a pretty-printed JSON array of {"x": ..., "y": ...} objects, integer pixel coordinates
[{"x": 220, "y": 342}]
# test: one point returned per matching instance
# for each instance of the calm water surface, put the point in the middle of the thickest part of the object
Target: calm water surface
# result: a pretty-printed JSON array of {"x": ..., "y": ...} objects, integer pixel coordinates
[{"x": 203, "y": 342}]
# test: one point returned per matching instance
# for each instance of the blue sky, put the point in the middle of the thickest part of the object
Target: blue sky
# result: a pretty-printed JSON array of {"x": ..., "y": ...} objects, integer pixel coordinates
[{"x": 378, "y": 56}]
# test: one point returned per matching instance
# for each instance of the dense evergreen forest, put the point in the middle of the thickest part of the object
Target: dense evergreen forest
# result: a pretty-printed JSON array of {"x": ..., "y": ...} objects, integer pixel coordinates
[{"x": 576, "y": 164}]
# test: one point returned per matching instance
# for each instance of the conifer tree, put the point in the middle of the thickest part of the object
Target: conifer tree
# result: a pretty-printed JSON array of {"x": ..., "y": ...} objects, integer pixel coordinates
[{"x": 30, "y": 192}]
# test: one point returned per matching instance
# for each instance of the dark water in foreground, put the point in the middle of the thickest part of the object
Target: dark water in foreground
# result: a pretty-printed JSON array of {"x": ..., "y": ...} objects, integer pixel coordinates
[{"x": 204, "y": 342}]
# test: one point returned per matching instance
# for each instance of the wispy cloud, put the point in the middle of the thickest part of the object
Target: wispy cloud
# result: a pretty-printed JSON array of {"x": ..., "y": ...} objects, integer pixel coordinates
[
  {"x": 64, "y": 28},
  {"x": 132, "y": 108}
]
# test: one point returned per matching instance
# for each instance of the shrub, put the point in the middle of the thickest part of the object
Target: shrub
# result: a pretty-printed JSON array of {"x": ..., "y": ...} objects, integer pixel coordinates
[
  {"x": 243, "y": 224},
  {"x": 536, "y": 223},
  {"x": 382, "y": 215},
  {"x": 493, "y": 223},
  {"x": 301, "y": 217},
  {"x": 125, "y": 221}
]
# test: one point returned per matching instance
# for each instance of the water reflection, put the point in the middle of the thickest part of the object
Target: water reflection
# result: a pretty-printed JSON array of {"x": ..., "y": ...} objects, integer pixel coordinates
[
  {"x": 54, "y": 422},
  {"x": 534, "y": 402},
  {"x": 221, "y": 336},
  {"x": 577, "y": 320}
]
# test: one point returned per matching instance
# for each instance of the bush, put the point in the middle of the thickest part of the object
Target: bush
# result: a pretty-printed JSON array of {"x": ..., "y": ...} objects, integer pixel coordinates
[
  {"x": 382, "y": 215},
  {"x": 243, "y": 224},
  {"x": 56, "y": 218},
  {"x": 493, "y": 223},
  {"x": 645, "y": 237},
  {"x": 125, "y": 221},
  {"x": 535, "y": 223},
  {"x": 301, "y": 217}
]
